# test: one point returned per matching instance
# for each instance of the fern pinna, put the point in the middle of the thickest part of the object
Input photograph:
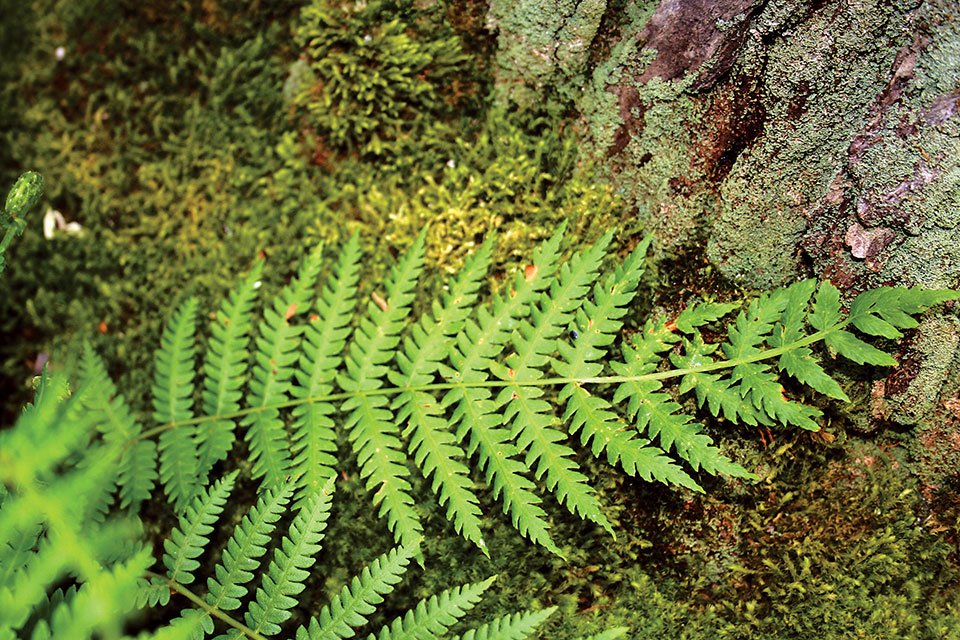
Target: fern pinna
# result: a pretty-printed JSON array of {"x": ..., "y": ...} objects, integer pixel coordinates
[
  {"x": 473, "y": 382},
  {"x": 283, "y": 578}
]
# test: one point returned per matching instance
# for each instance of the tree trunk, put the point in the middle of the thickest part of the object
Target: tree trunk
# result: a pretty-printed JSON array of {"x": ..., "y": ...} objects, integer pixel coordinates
[{"x": 795, "y": 139}]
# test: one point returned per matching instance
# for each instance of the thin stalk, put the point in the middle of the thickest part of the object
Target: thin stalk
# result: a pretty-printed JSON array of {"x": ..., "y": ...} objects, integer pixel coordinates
[
  {"x": 200, "y": 602},
  {"x": 540, "y": 382}
]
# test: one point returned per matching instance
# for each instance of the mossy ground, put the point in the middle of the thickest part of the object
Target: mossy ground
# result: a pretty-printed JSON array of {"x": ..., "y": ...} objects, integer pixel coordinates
[{"x": 168, "y": 137}]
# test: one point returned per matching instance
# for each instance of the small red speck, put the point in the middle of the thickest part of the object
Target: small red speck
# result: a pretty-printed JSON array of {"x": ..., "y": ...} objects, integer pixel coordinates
[
  {"x": 427, "y": 406},
  {"x": 274, "y": 372},
  {"x": 514, "y": 396},
  {"x": 102, "y": 328},
  {"x": 292, "y": 309},
  {"x": 512, "y": 373},
  {"x": 314, "y": 317},
  {"x": 380, "y": 302},
  {"x": 226, "y": 321},
  {"x": 671, "y": 326},
  {"x": 262, "y": 254},
  {"x": 530, "y": 272}
]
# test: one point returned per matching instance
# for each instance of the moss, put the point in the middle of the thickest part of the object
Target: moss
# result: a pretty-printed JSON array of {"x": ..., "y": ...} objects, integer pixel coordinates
[{"x": 378, "y": 79}]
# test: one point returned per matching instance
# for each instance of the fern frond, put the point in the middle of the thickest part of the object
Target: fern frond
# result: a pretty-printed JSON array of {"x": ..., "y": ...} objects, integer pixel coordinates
[
  {"x": 137, "y": 472},
  {"x": 432, "y": 446},
  {"x": 243, "y": 552},
  {"x": 100, "y": 605},
  {"x": 272, "y": 376},
  {"x": 432, "y": 617},
  {"x": 188, "y": 539},
  {"x": 471, "y": 357},
  {"x": 657, "y": 413},
  {"x": 531, "y": 416},
  {"x": 348, "y": 609},
  {"x": 373, "y": 432},
  {"x": 799, "y": 362},
  {"x": 516, "y": 626},
  {"x": 596, "y": 326},
  {"x": 324, "y": 339},
  {"x": 172, "y": 398},
  {"x": 288, "y": 570},
  {"x": 225, "y": 368}
]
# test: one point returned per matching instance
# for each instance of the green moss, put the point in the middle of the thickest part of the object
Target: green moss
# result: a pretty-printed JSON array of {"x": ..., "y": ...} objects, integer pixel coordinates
[{"x": 378, "y": 79}]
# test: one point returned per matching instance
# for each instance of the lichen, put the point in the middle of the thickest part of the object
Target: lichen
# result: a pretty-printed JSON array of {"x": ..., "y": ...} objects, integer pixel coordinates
[{"x": 540, "y": 43}]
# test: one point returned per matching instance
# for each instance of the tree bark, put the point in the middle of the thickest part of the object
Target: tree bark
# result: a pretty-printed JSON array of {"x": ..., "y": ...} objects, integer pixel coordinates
[{"x": 795, "y": 138}]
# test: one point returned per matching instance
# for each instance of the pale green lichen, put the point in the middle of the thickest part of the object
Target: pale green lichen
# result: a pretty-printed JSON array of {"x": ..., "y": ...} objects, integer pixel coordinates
[{"x": 540, "y": 43}]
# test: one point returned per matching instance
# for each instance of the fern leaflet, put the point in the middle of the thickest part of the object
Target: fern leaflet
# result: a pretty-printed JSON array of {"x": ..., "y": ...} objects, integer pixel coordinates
[
  {"x": 350, "y": 607},
  {"x": 324, "y": 339},
  {"x": 137, "y": 471},
  {"x": 432, "y": 617},
  {"x": 373, "y": 432},
  {"x": 509, "y": 627},
  {"x": 172, "y": 398},
  {"x": 243, "y": 551},
  {"x": 224, "y": 369},
  {"x": 272, "y": 374},
  {"x": 188, "y": 539},
  {"x": 286, "y": 573}
]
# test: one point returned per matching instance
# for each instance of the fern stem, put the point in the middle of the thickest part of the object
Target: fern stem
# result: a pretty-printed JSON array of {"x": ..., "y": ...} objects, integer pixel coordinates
[
  {"x": 539, "y": 382},
  {"x": 200, "y": 602}
]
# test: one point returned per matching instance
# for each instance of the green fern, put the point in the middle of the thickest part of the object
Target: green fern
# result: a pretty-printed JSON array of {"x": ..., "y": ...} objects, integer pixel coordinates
[
  {"x": 503, "y": 384},
  {"x": 466, "y": 382},
  {"x": 283, "y": 579}
]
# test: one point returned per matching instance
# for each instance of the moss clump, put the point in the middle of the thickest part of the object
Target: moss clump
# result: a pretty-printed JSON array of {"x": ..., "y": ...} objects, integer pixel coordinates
[{"x": 379, "y": 79}]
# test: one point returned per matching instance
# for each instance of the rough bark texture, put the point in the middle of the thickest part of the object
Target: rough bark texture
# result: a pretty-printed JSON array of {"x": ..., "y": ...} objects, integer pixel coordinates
[{"x": 795, "y": 138}]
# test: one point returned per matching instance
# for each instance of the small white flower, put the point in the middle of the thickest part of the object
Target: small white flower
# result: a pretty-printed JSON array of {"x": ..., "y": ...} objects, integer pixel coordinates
[
  {"x": 59, "y": 53},
  {"x": 53, "y": 221}
]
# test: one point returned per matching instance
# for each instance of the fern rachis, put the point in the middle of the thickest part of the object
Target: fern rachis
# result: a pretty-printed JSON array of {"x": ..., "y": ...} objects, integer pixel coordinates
[{"x": 443, "y": 388}]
